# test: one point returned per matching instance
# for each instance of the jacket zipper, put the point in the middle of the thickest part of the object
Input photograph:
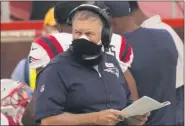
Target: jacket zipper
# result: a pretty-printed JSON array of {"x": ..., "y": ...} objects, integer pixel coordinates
[
  {"x": 97, "y": 70},
  {"x": 108, "y": 93}
]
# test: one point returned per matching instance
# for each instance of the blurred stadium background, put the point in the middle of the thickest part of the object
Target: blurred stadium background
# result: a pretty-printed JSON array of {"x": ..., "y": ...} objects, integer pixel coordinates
[{"x": 21, "y": 22}]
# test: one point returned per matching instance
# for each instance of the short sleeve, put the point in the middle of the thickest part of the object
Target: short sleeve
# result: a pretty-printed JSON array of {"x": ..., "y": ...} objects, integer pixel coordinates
[
  {"x": 124, "y": 52},
  {"x": 38, "y": 57},
  {"x": 126, "y": 55},
  {"x": 50, "y": 94}
]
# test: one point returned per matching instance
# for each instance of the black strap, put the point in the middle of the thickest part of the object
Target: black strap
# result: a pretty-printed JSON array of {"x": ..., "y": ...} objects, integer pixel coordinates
[{"x": 50, "y": 44}]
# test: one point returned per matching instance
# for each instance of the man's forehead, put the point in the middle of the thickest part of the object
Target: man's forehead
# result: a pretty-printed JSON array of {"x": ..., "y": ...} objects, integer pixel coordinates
[
  {"x": 83, "y": 18},
  {"x": 87, "y": 23},
  {"x": 83, "y": 29}
]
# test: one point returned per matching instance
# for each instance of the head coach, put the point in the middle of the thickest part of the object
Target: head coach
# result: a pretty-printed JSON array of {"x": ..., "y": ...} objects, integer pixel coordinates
[{"x": 84, "y": 85}]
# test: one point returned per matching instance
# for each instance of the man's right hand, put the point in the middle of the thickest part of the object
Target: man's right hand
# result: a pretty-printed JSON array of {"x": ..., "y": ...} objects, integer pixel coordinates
[{"x": 107, "y": 117}]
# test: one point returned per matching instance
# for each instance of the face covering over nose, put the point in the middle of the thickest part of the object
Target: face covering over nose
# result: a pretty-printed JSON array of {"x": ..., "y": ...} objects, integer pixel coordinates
[{"x": 87, "y": 51}]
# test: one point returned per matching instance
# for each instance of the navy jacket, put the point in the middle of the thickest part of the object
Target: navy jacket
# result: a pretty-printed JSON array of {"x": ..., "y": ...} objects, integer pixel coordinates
[{"x": 66, "y": 85}]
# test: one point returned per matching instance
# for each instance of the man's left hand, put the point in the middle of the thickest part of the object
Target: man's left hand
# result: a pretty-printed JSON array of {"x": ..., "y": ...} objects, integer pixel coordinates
[{"x": 137, "y": 120}]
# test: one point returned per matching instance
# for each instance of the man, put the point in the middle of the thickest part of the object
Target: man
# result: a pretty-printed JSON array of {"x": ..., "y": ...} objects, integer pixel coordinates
[
  {"x": 155, "y": 60},
  {"x": 73, "y": 100},
  {"x": 155, "y": 22}
]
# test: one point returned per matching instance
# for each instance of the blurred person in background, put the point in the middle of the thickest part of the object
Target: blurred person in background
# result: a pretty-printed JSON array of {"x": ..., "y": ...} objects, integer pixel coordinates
[
  {"x": 155, "y": 60},
  {"x": 155, "y": 22},
  {"x": 44, "y": 48},
  {"x": 22, "y": 71}
]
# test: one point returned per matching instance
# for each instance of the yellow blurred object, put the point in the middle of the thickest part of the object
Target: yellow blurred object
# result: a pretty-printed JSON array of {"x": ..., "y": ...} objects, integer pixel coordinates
[
  {"x": 49, "y": 18},
  {"x": 33, "y": 74}
]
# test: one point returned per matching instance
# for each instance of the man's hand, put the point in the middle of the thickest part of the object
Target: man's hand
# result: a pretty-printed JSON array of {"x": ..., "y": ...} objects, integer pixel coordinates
[
  {"x": 107, "y": 117},
  {"x": 137, "y": 120}
]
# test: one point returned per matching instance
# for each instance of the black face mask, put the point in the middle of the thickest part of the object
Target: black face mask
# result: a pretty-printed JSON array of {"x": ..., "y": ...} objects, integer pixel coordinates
[{"x": 87, "y": 52}]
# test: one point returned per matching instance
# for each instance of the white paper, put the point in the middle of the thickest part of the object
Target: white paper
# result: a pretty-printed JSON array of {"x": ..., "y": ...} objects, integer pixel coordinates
[{"x": 142, "y": 106}]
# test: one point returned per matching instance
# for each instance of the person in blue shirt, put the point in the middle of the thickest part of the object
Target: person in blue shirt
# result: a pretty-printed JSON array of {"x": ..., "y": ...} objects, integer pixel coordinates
[
  {"x": 85, "y": 84},
  {"x": 155, "y": 60}
]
